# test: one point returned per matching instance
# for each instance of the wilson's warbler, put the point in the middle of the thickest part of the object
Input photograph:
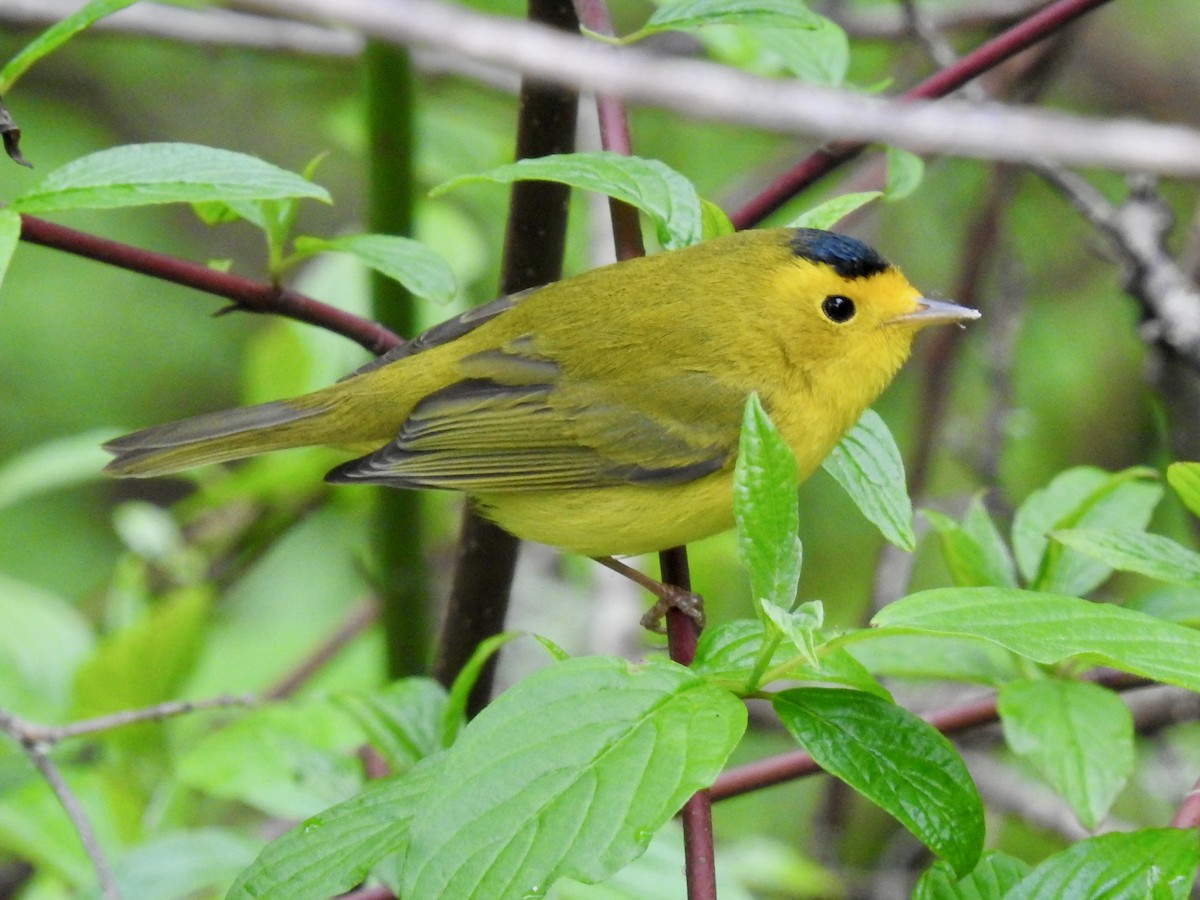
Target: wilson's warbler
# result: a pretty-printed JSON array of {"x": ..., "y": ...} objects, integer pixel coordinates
[{"x": 601, "y": 414}]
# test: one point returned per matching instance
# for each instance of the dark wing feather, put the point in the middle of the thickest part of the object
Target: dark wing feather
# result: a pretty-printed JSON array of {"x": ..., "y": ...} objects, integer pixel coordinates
[
  {"x": 447, "y": 331},
  {"x": 519, "y": 424}
]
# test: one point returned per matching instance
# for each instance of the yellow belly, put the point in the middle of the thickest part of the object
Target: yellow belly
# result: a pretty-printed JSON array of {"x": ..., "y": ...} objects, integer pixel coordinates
[{"x": 616, "y": 521}]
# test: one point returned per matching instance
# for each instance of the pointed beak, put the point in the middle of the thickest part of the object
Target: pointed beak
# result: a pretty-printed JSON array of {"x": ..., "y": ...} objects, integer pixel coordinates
[{"x": 937, "y": 312}]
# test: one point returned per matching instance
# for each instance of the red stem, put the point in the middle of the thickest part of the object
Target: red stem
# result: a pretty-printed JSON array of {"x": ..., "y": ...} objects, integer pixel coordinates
[
  {"x": 1188, "y": 815},
  {"x": 696, "y": 815},
  {"x": 986, "y": 56},
  {"x": 787, "y": 766},
  {"x": 682, "y": 631},
  {"x": 245, "y": 293},
  {"x": 614, "y": 136}
]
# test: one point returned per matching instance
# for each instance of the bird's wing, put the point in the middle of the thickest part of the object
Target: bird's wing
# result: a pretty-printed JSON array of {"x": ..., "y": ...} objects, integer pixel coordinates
[
  {"x": 446, "y": 331},
  {"x": 517, "y": 422}
]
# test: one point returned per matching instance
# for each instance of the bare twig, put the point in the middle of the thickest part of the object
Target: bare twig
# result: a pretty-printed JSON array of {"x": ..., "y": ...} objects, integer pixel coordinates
[
  {"x": 986, "y": 56},
  {"x": 78, "y": 818},
  {"x": 889, "y": 22},
  {"x": 1188, "y": 814},
  {"x": 709, "y": 91},
  {"x": 37, "y": 741},
  {"x": 1006, "y": 791},
  {"x": 195, "y": 26},
  {"x": 1136, "y": 232},
  {"x": 787, "y": 766},
  {"x": 682, "y": 633},
  {"x": 614, "y": 136},
  {"x": 49, "y": 735},
  {"x": 246, "y": 294},
  {"x": 358, "y": 620}
]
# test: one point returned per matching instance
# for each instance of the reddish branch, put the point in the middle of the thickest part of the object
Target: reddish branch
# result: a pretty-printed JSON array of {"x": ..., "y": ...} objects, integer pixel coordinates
[
  {"x": 986, "y": 56},
  {"x": 788, "y": 766},
  {"x": 246, "y": 294},
  {"x": 682, "y": 631}
]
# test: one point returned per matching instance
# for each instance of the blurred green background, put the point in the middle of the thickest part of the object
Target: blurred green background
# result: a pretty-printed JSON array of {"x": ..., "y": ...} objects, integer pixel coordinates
[{"x": 88, "y": 351}]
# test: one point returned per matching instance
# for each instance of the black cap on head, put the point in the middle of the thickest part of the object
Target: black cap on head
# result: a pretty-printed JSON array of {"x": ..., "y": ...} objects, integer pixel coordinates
[{"x": 848, "y": 257}]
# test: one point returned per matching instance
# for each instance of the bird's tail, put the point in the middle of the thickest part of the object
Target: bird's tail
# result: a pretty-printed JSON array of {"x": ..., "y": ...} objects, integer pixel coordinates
[{"x": 217, "y": 437}]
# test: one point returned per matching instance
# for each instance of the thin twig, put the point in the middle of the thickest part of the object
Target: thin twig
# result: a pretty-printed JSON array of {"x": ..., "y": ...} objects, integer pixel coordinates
[
  {"x": 1007, "y": 792},
  {"x": 1136, "y": 232},
  {"x": 709, "y": 91},
  {"x": 48, "y": 735},
  {"x": 614, "y": 136},
  {"x": 983, "y": 58},
  {"x": 246, "y": 294},
  {"x": 37, "y": 740},
  {"x": 358, "y": 620},
  {"x": 788, "y": 766},
  {"x": 886, "y": 21},
  {"x": 78, "y": 818},
  {"x": 683, "y": 631},
  {"x": 212, "y": 27},
  {"x": 1188, "y": 814}
]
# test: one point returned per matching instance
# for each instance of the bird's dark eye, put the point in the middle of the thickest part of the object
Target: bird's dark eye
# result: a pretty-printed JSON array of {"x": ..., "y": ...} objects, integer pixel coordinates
[{"x": 837, "y": 308}]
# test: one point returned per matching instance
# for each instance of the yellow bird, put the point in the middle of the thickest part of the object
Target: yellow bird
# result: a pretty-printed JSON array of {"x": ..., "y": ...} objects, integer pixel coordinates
[{"x": 601, "y": 413}]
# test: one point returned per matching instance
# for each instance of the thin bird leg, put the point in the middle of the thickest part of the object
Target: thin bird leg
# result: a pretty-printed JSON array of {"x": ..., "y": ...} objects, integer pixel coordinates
[{"x": 669, "y": 596}]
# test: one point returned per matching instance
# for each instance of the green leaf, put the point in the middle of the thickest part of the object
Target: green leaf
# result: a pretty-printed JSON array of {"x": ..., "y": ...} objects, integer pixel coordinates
[
  {"x": 148, "y": 662},
  {"x": 904, "y": 173},
  {"x": 1175, "y": 604},
  {"x": 568, "y": 773},
  {"x": 1079, "y": 736},
  {"x": 1184, "y": 478},
  {"x": 1136, "y": 551},
  {"x": 765, "y": 480},
  {"x": 421, "y": 271},
  {"x": 653, "y": 187},
  {"x": 42, "y": 642},
  {"x": 799, "y": 626},
  {"x": 455, "y": 713},
  {"x": 335, "y": 850},
  {"x": 995, "y": 874},
  {"x": 143, "y": 174},
  {"x": 1078, "y": 498},
  {"x": 60, "y": 463},
  {"x": 728, "y": 653},
  {"x": 826, "y": 215},
  {"x": 867, "y": 464},
  {"x": 33, "y": 827},
  {"x": 10, "y": 236},
  {"x": 181, "y": 864},
  {"x": 403, "y": 721},
  {"x": 936, "y": 657},
  {"x": 713, "y": 221},
  {"x": 54, "y": 36},
  {"x": 681, "y": 15},
  {"x": 1156, "y": 863},
  {"x": 289, "y": 760},
  {"x": 894, "y": 759},
  {"x": 214, "y": 212},
  {"x": 1033, "y": 625},
  {"x": 819, "y": 55},
  {"x": 974, "y": 552}
]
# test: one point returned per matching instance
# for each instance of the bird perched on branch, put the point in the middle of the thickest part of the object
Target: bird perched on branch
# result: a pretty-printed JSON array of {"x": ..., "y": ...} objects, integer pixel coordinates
[{"x": 601, "y": 413}]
